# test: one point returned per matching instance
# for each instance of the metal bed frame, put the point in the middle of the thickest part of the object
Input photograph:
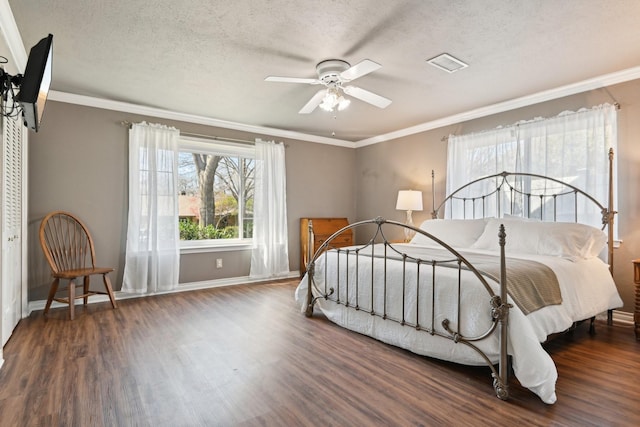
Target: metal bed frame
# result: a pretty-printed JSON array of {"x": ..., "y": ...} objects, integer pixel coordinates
[{"x": 497, "y": 304}]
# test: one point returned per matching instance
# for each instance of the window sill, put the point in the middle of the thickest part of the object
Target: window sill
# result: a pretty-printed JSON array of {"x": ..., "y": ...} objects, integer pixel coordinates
[{"x": 190, "y": 248}]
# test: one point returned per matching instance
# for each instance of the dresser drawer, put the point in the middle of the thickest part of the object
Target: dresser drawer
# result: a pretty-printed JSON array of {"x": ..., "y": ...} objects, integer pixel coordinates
[
  {"x": 327, "y": 226},
  {"x": 339, "y": 241}
]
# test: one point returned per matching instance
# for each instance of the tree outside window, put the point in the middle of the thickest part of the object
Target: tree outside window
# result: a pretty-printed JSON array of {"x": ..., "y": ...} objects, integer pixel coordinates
[{"x": 216, "y": 194}]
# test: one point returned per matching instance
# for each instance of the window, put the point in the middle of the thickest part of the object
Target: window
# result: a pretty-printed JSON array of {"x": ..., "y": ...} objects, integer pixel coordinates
[
  {"x": 572, "y": 147},
  {"x": 216, "y": 185}
]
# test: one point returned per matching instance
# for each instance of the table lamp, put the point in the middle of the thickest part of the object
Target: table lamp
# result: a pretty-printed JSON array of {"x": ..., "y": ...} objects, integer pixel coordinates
[{"x": 409, "y": 200}]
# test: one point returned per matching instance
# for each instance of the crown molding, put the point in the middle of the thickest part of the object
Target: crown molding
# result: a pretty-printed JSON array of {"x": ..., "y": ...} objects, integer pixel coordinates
[
  {"x": 10, "y": 32},
  {"x": 548, "y": 95},
  {"x": 190, "y": 118},
  {"x": 536, "y": 98}
]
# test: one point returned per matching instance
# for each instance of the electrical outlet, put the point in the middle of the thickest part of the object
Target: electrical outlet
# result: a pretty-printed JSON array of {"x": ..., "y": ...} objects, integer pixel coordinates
[{"x": 219, "y": 263}]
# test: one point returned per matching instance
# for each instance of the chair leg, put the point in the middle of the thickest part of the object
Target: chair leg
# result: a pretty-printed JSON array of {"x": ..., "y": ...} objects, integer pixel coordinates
[
  {"x": 107, "y": 285},
  {"x": 52, "y": 293},
  {"x": 72, "y": 299},
  {"x": 86, "y": 289}
]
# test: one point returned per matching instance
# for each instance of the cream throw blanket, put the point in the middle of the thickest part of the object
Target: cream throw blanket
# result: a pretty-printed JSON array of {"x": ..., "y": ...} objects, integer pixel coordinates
[{"x": 531, "y": 285}]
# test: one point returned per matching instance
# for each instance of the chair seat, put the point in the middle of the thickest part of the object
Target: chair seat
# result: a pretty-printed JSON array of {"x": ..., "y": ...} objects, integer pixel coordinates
[{"x": 81, "y": 272}]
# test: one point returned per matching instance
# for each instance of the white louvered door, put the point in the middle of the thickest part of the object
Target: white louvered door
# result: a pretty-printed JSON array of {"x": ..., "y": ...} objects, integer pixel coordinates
[{"x": 11, "y": 268}]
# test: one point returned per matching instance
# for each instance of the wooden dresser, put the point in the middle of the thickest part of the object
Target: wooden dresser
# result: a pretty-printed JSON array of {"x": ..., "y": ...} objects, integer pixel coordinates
[{"x": 323, "y": 228}]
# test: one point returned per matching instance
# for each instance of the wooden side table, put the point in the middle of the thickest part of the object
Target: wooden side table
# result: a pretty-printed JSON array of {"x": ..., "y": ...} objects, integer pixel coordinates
[{"x": 636, "y": 312}]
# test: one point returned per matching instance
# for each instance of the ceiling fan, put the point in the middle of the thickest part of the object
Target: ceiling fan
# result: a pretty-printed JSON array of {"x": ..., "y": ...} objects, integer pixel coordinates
[{"x": 334, "y": 74}]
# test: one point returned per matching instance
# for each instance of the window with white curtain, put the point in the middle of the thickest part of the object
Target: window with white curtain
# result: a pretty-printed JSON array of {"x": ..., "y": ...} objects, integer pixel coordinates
[
  {"x": 572, "y": 147},
  {"x": 216, "y": 185},
  {"x": 220, "y": 181}
]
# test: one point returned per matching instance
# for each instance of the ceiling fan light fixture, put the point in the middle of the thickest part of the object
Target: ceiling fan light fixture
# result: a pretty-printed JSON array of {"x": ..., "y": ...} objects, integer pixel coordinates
[
  {"x": 447, "y": 63},
  {"x": 330, "y": 100},
  {"x": 343, "y": 103},
  {"x": 326, "y": 106},
  {"x": 333, "y": 99}
]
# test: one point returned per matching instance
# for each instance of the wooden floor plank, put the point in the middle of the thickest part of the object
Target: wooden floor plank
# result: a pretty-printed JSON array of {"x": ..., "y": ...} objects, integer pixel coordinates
[{"x": 245, "y": 356}]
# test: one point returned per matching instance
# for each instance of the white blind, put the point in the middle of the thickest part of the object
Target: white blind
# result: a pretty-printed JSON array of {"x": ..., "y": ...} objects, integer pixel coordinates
[{"x": 12, "y": 182}]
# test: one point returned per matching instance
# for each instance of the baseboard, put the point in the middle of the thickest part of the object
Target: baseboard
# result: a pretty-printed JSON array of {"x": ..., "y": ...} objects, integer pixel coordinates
[
  {"x": 182, "y": 287},
  {"x": 619, "y": 317},
  {"x": 622, "y": 317}
]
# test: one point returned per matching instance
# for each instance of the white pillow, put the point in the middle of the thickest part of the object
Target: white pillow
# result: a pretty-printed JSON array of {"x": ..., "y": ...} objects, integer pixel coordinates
[
  {"x": 563, "y": 239},
  {"x": 457, "y": 233},
  {"x": 522, "y": 236},
  {"x": 572, "y": 240}
]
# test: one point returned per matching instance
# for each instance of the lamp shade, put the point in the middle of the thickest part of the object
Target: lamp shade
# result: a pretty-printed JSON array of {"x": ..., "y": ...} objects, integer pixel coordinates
[{"x": 409, "y": 200}]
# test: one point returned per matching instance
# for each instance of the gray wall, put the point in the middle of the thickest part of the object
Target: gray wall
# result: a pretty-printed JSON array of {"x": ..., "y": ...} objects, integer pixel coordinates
[
  {"x": 79, "y": 162},
  {"x": 406, "y": 163}
]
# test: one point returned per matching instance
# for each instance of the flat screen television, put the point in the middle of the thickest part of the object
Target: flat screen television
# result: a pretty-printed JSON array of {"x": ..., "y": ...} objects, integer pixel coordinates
[{"x": 36, "y": 80}]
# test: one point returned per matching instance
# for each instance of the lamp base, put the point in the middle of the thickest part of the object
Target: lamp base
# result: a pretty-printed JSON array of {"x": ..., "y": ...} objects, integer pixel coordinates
[{"x": 409, "y": 233}]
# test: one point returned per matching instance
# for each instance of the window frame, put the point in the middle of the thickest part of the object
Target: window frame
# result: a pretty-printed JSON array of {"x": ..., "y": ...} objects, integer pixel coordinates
[{"x": 219, "y": 147}]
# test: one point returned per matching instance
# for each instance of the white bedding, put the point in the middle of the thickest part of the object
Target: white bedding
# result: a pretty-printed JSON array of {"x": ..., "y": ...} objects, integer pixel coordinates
[{"x": 586, "y": 286}]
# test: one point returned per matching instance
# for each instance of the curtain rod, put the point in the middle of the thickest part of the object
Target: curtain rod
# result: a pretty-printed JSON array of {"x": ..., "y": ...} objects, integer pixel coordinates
[
  {"x": 515, "y": 125},
  {"x": 217, "y": 138},
  {"x": 198, "y": 135}
]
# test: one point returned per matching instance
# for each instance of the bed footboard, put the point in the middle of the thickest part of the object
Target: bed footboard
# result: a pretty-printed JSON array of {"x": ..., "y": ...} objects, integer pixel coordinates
[{"x": 403, "y": 287}]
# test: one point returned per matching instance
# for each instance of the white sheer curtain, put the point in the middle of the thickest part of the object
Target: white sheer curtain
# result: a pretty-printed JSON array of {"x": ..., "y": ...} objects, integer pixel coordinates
[
  {"x": 572, "y": 146},
  {"x": 153, "y": 242},
  {"x": 270, "y": 254},
  {"x": 479, "y": 154}
]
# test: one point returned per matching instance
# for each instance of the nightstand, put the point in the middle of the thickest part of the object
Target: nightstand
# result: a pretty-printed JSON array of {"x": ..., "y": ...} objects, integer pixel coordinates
[{"x": 636, "y": 312}]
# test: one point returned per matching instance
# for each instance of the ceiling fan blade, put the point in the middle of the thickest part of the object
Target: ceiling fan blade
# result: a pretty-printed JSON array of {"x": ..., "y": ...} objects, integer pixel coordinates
[
  {"x": 313, "y": 102},
  {"x": 292, "y": 80},
  {"x": 362, "y": 68},
  {"x": 366, "y": 96}
]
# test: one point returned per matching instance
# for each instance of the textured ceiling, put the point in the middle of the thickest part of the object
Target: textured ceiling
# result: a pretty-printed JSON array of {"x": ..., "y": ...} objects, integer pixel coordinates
[{"x": 210, "y": 58}]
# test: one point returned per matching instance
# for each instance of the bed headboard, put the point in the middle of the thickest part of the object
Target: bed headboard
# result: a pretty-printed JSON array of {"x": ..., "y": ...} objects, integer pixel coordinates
[{"x": 531, "y": 196}]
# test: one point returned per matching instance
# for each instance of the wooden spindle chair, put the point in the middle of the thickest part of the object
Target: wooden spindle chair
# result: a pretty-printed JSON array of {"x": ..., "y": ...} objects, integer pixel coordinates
[{"x": 68, "y": 248}]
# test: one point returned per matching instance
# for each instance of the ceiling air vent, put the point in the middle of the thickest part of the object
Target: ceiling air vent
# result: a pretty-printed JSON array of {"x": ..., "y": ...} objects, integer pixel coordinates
[{"x": 447, "y": 63}]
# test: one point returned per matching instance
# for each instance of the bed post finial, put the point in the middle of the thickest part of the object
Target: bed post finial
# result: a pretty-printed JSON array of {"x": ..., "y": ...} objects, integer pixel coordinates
[
  {"x": 434, "y": 212},
  {"x": 310, "y": 267}
]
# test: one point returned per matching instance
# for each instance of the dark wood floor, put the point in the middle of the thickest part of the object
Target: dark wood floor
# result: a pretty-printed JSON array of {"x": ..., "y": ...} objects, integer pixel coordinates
[{"x": 246, "y": 356}]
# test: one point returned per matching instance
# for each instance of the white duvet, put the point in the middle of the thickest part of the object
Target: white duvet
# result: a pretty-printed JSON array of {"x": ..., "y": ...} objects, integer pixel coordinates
[{"x": 586, "y": 286}]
